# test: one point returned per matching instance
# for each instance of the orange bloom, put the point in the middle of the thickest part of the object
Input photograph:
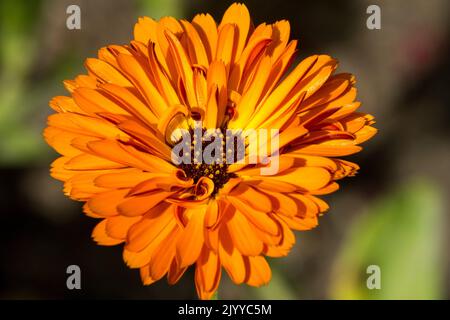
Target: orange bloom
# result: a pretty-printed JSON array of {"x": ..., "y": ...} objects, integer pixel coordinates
[{"x": 114, "y": 134}]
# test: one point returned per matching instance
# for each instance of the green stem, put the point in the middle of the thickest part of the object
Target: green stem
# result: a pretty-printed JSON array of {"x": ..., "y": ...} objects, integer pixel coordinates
[{"x": 215, "y": 296}]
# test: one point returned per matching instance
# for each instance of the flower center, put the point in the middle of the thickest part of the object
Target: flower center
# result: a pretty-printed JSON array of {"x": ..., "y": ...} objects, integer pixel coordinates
[{"x": 214, "y": 167}]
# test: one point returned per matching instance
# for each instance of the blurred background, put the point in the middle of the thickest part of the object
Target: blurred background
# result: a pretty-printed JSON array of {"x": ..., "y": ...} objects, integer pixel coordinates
[{"x": 393, "y": 214}]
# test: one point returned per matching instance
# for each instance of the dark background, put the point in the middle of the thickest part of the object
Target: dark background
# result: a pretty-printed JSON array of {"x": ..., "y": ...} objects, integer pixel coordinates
[{"x": 394, "y": 213}]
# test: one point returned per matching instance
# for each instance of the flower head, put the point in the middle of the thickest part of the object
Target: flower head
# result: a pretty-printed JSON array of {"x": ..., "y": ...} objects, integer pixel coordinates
[{"x": 187, "y": 85}]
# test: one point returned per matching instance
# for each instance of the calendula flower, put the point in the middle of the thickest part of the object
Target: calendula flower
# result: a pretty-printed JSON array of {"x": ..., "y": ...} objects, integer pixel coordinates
[{"x": 117, "y": 130}]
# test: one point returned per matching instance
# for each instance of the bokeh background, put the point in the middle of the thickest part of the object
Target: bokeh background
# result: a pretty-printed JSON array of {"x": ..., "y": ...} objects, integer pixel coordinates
[{"x": 394, "y": 213}]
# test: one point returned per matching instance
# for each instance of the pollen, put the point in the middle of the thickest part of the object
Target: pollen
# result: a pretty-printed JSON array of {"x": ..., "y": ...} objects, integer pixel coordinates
[{"x": 216, "y": 171}]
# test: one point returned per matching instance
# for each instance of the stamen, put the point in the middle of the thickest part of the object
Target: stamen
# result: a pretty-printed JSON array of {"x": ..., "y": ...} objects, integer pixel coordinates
[{"x": 216, "y": 171}]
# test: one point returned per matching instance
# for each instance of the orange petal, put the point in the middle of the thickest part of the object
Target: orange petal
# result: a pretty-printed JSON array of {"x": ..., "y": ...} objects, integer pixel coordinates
[
  {"x": 106, "y": 72},
  {"x": 280, "y": 35},
  {"x": 243, "y": 235},
  {"x": 145, "y": 275},
  {"x": 207, "y": 274},
  {"x": 61, "y": 140},
  {"x": 139, "y": 205},
  {"x": 175, "y": 272},
  {"x": 226, "y": 45},
  {"x": 270, "y": 185},
  {"x": 260, "y": 219},
  {"x": 164, "y": 255},
  {"x": 281, "y": 91},
  {"x": 101, "y": 237},
  {"x": 105, "y": 203},
  {"x": 85, "y": 125},
  {"x": 237, "y": 14},
  {"x": 131, "y": 103},
  {"x": 183, "y": 66},
  {"x": 231, "y": 258},
  {"x": 117, "y": 227},
  {"x": 190, "y": 243},
  {"x": 250, "y": 98},
  {"x": 258, "y": 271},
  {"x": 207, "y": 30},
  {"x": 287, "y": 242},
  {"x": 197, "y": 52},
  {"x": 141, "y": 81},
  {"x": 252, "y": 197},
  {"x": 65, "y": 104},
  {"x": 123, "y": 178},
  {"x": 163, "y": 182},
  {"x": 217, "y": 80},
  {"x": 92, "y": 101},
  {"x": 161, "y": 79},
  {"x": 330, "y": 148},
  {"x": 129, "y": 156},
  {"x": 305, "y": 178},
  {"x": 151, "y": 228},
  {"x": 283, "y": 204},
  {"x": 255, "y": 47},
  {"x": 212, "y": 108},
  {"x": 212, "y": 214},
  {"x": 145, "y": 30}
]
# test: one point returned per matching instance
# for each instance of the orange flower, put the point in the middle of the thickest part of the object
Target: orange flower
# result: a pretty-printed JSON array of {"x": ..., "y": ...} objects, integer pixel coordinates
[{"x": 115, "y": 133}]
